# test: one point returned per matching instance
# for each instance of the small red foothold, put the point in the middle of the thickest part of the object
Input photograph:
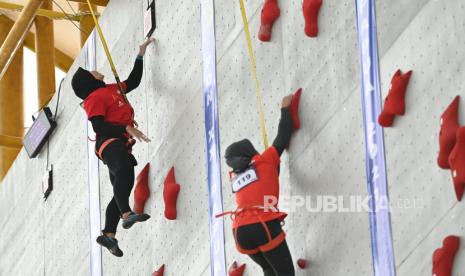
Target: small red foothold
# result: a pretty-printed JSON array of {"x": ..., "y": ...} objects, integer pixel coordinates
[
  {"x": 447, "y": 135},
  {"x": 141, "y": 192},
  {"x": 443, "y": 258},
  {"x": 236, "y": 270},
  {"x": 457, "y": 163},
  {"x": 295, "y": 108},
  {"x": 160, "y": 271},
  {"x": 270, "y": 12},
  {"x": 302, "y": 263},
  {"x": 311, "y": 8},
  {"x": 170, "y": 195}
]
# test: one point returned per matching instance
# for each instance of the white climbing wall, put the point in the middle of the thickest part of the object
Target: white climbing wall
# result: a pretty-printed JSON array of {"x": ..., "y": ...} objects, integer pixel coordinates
[{"x": 326, "y": 156}]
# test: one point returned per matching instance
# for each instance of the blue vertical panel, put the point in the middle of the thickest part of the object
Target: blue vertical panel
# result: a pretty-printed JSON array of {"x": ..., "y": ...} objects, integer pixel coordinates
[
  {"x": 93, "y": 176},
  {"x": 380, "y": 221},
  {"x": 212, "y": 139}
]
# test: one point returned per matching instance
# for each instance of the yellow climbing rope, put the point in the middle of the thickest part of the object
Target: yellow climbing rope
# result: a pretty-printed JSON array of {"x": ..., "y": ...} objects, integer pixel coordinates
[
  {"x": 254, "y": 73},
  {"x": 105, "y": 47}
]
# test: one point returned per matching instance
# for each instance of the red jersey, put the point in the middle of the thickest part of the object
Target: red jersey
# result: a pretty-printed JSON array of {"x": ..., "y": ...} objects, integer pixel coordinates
[
  {"x": 109, "y": 103},
  {"x": 265, "y": 182}
]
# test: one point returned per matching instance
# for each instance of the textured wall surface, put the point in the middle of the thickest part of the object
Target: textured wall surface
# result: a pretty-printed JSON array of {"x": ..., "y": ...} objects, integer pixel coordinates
[{"x": 326, "y": 156}]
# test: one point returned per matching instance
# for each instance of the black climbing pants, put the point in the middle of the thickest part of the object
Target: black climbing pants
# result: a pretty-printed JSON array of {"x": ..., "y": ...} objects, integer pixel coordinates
[
  {"x": 276, "y": 262},
  {"x": 121, "y": 167}
]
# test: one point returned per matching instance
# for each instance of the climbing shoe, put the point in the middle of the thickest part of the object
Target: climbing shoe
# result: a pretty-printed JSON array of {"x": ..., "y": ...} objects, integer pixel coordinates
[
  {"x": 133, "y": 218},
  {"x": 111, "y": 244}
]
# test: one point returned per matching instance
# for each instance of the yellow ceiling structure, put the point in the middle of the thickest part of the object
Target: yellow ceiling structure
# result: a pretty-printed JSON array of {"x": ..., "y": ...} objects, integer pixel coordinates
[{"x": 67, "y": 36}]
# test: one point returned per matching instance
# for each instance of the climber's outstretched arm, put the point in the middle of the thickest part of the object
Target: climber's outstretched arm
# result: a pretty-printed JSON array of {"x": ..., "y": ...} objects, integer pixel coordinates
[
  {"x": 135, "y": 76},
  {"x": 285, "y": 127}
]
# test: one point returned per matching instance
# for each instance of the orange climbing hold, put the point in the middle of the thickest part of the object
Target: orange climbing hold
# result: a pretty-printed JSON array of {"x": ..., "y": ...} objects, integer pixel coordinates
[
  {"x": 457, "y": 163},
  {"x": 394, "y": 103},
  {"x": 236, "y": 270},
  {"x": 160, "y": 271},
  {"x": 170, "y": 195},
  {"x": 447, "y": 135},
  {"x": 141, "y": 192},
  {"x": 270, "y": 12},
  {"x": 443, "y": 258},
  {"x": 311, "y": 8}
]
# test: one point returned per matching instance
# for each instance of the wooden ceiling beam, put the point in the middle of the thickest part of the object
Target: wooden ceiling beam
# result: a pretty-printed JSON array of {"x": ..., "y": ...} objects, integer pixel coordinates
[
  {"x": 102, "y": 3},
  {"x": 62, "y": 60}
]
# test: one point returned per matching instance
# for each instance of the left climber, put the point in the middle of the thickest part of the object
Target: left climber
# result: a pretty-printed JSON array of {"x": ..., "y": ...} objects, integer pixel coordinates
[{"x": 112, "y": 119}]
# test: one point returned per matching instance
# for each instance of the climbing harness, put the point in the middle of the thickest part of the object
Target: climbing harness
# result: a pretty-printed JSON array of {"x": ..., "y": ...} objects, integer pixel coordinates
[
  {"x": 272, "y": 242},
  {"x": 254, "y": 73}
]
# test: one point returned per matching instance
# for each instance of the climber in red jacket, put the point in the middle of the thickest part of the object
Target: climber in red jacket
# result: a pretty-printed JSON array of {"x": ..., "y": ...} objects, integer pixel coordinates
[
  {"x": 256, "y": 226},
  {"x": 112, "y": 119}
]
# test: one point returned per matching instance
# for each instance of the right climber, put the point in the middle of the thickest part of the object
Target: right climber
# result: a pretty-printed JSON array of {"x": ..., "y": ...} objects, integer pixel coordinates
[
  {"x": 257, "y": 221},
  {"x": 271, "y": 12}
]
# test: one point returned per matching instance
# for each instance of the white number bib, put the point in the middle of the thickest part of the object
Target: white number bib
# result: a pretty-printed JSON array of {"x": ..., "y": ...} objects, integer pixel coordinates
[{"x": 244, "y": 179}]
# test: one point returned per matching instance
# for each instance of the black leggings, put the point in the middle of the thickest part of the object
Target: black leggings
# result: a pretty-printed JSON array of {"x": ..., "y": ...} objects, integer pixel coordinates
[
  {"x": 121, "y": 166},
  {"x": 276, "y": 262}
]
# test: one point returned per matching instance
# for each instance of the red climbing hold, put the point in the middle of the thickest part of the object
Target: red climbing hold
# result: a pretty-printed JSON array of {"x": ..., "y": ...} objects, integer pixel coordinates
[
  {"x": 141, "y": 192},
  {"x": 295, "y": 108},
  {"x": 449, "y": 126},
  {"x": 170, "y": 195},
  {"x": 394, "y": 103},
  {"x": 270, "y": 12},
  {"x": 302, "y": 263},
  {"x": 457, "y": 163},
  {"x": 386, "y": 119},
  {"x": 443, "y": 258},
  {"x": 236, "y": 270},
  {"x": 311, "y": 8},
  {"x": 160, "y": 271},
  {"x": 395, "y": 100}
]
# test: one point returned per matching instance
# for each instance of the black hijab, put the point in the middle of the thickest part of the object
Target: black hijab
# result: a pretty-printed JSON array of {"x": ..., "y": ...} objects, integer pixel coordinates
[
  {"x": 239, "y": 155},
  {"x": 84, "y": 83}
]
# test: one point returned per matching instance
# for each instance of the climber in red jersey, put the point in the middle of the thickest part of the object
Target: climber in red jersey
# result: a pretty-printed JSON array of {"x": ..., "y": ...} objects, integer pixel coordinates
[
  {"x": 257, "y": 226},
  {"x": 112, "y": 119}
]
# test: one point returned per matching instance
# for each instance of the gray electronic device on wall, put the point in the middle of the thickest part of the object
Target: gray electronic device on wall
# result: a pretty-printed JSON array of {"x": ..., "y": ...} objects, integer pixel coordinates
[
  {"x": 39, "y": 132},
  {"x": 149, "y": 19}
]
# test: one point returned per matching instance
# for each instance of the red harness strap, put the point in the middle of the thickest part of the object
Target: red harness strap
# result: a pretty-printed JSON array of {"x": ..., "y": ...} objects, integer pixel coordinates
[
  {"x": 129, "y": 145},
  {"x": 103, "y": 146},
  {"x": 270, "y": 245}
]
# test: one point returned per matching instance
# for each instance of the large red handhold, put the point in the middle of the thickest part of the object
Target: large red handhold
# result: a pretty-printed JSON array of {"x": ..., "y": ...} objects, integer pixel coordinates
[
  {"x": 160, "y": 271},
  {"x": 295, "y": 108},
  {"x": 457, "y": 163},
  {"x": 236, "y": 270},
  {"x": 443, "y": 258},
  {"x": 170, "y": 195},
  {"x": 449, "y": 126},
  {"x": 311, "y": 8},
  {"x": 395, "y": 100},
  {"x": 141, "y": 192},
  {"x": 270, "y": 12},
  {"x": 394, "y": 103}
]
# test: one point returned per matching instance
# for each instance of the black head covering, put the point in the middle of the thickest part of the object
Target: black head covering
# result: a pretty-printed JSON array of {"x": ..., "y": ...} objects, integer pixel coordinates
[
  {"x": 84, "y": 83},
  {"x": 239, "y": 155}
]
